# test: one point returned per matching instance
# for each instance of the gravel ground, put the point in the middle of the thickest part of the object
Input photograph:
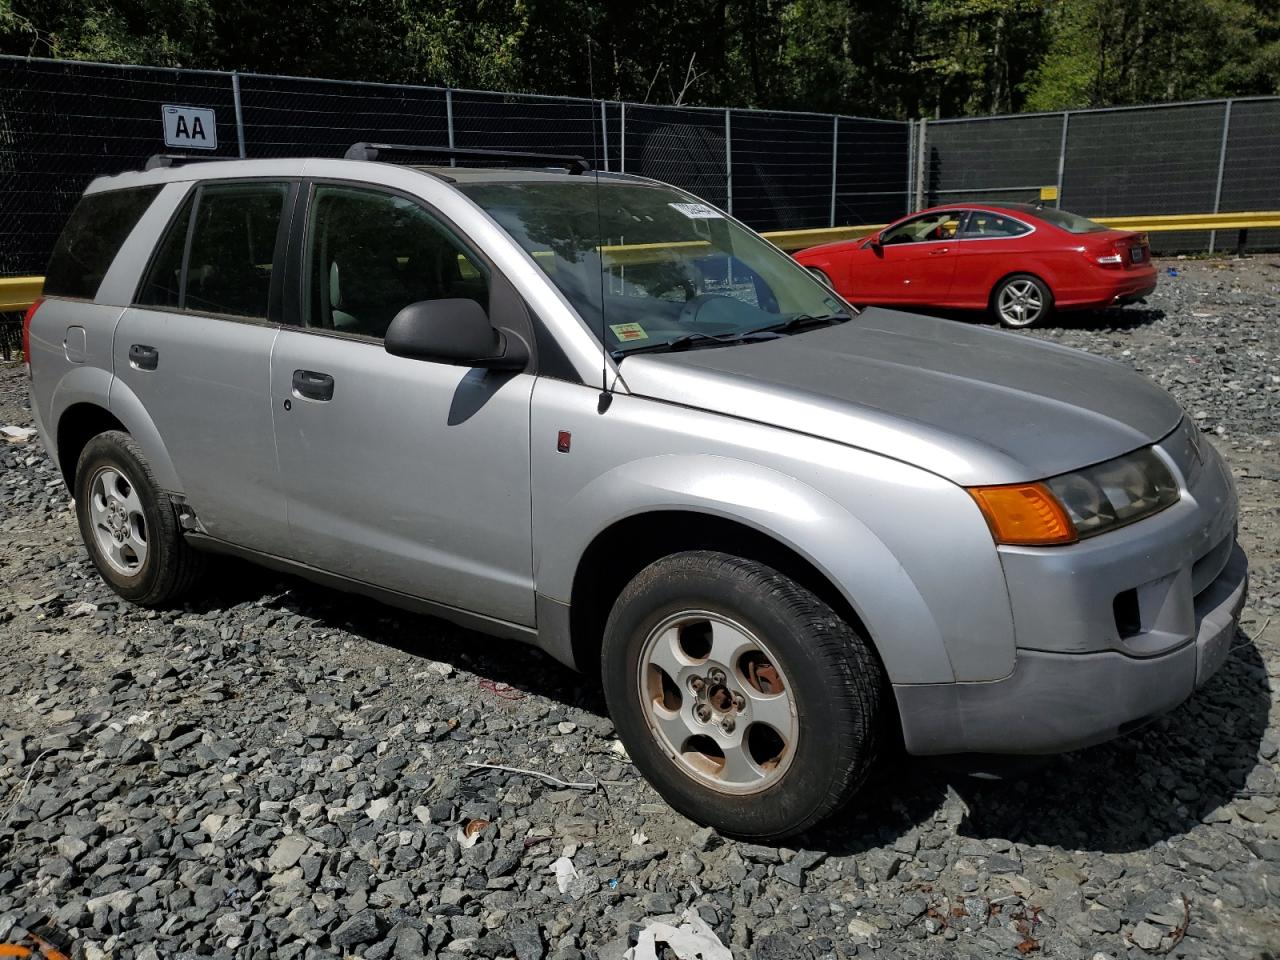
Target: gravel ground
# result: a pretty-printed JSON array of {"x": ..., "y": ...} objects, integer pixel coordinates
[{"x": 279, "y": 771}]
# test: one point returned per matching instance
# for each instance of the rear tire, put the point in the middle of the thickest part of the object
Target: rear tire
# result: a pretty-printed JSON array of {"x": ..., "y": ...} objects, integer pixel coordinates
[
  {"x": 746, "y": 701},
  {"x": 129, "y": 526},
  {"x": 1021, "y": 301}
]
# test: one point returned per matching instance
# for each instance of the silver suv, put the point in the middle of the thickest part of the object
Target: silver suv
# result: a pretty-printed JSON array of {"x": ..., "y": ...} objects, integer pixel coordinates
[{"x": 590, "y": 412}]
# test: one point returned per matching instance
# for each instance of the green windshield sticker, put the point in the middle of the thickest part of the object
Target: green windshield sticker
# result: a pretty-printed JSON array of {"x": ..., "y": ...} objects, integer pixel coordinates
[
  {"x": 697, "y": 211},
  {"x": 628, "y": 331}
]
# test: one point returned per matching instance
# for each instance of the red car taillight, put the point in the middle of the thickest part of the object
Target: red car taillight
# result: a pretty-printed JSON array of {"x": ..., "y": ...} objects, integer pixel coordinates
[
  {"x": 26, "y": 333},
  {"x": 1114, "y": 257}
]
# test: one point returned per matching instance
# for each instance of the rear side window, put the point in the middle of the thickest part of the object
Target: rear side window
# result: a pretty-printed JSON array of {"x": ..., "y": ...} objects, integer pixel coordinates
[
  {"x": 89, "y": 242},
  {"x": 217, "y": 255},
  {"x": 983, "y": 223}
]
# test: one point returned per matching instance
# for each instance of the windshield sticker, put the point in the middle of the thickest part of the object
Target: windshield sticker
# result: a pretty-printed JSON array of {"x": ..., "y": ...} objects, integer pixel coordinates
[
  {"x": 697, "y": 211},
  {"x": 628, "y": 331}
]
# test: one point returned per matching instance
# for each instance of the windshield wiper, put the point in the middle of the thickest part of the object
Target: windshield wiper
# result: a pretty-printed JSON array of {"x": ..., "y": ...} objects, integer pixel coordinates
[
  {"x": 802, "y": 321},
  {"x": 690, "y": 341}
]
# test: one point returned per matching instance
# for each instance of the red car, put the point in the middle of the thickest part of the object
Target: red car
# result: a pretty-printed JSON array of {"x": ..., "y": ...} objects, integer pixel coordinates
[{"x": 1019, "y": 260}]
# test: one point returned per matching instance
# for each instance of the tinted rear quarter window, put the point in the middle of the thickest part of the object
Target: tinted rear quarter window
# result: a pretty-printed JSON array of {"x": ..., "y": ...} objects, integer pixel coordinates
[{"x": 89, "y": 242}]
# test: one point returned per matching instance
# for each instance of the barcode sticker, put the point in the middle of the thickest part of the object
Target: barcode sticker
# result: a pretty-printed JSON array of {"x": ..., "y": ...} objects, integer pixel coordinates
[{"x": 697, "y": 211}]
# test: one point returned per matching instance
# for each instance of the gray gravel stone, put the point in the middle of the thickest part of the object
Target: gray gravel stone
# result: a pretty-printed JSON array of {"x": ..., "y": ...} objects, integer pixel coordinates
[{"x": 284, "y": 767}]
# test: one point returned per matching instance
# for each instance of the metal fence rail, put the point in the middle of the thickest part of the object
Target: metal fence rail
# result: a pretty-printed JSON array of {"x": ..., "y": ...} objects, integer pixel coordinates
[
  {"x": 1216, "y": 156},
  {"x": 64, "y": 122}
]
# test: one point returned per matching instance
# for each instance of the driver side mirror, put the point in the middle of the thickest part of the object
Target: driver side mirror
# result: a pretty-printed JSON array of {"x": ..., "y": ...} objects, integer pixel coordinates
[
  {"x": 455, "y": 331},
  {"x": 873, "y": 243}
]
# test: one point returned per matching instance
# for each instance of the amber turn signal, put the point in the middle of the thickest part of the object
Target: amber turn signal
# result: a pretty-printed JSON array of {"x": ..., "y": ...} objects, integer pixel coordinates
[{"x": 1024, "y": 514}]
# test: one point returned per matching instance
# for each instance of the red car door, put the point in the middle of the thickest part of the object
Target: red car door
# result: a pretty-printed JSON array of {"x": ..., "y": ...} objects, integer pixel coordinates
[{"x": 913, "y": 261}]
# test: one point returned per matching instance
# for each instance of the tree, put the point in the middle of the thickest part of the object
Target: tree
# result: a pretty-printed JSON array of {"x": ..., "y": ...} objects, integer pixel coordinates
[{"x": 903, "y": 59}]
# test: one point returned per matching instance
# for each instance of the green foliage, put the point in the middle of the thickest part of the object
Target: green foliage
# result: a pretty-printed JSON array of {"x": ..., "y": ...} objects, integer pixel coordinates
[{"x": 909, "y": 58}]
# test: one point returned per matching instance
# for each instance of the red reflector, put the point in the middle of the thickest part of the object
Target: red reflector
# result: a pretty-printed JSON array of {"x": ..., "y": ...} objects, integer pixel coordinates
[
  {"x": 563, "y": 440},
  {"x": 26, "y": 332}
]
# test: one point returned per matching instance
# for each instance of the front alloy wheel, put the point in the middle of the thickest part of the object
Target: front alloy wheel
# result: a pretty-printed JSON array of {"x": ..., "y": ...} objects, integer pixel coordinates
[
  {"x": 717, "y": 702},
  {"x": 745, "y": 699}
]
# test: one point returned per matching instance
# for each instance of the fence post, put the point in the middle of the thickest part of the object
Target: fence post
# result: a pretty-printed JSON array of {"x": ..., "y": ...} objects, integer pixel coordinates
[
  {"x": 728, "y": 163},
  {"x": 622, "y": 138},
  {"x": 922, "y": 135},
  {"x": 835, "y": 146},
  {"x": 1217, "y": 190},
  {"x": 448, "y": 119},
  {"x": 235, "y": 97},
  {"x": 1062, "y": 154},
  {"x": 604, "y": 137},
  {"x": 908, "y": 206}
]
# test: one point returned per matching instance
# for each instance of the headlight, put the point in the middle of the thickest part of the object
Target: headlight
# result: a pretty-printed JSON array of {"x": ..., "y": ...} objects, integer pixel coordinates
[
  {"x": 1117, "y": 492},
  {"x": 1085, "y": 503}
]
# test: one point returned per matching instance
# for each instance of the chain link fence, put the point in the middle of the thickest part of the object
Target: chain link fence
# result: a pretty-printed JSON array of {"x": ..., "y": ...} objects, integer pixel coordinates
[
  {"x": 62, "y": 123},
  {"x": 1217, "y": 156}
]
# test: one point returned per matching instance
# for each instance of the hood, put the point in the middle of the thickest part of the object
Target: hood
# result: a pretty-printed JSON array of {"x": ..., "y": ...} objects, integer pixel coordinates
[{"x": 976, "y": 406}]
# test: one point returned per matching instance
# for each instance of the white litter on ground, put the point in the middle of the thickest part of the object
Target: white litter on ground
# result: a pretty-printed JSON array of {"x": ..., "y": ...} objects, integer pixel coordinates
[
  {"x": 565, "y": 873},
  {"x": 693, "y": 939}
]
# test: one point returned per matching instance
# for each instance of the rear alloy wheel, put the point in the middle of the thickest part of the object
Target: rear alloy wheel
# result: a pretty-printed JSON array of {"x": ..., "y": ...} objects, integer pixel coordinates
[
  {"x": 130, "y": 526},
  {"x": 1021, "y": 301},
  {"x": 746, "y": 701}
]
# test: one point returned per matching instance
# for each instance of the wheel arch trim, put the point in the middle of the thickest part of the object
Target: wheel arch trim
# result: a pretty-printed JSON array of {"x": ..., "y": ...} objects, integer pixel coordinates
[
  {"x": 98, "y": 389},
  {"x": 795, "y": 517}
]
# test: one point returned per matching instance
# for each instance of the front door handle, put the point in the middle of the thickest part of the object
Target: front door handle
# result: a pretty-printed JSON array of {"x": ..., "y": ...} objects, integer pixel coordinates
[
  {"x": 311, "y": 385},
  {"x": 143, "y": 357},
  {"x": 938, "y": 252}
]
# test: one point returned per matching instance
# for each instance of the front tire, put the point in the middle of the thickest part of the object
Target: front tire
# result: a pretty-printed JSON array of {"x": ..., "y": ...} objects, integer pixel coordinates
[
  {"x": 129, "y": 526},
  {"x": 746, "y": 701},
  {"x": 1021, "y": 301}
]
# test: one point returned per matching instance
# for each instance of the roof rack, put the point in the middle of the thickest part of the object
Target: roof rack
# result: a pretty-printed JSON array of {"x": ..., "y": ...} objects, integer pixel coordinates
[
  {"x": 158, "y": 160},
  {"x": 370, "y": 151}
]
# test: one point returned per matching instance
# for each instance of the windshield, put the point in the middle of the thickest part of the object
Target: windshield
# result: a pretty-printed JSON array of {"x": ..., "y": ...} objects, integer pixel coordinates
[
  {"x": 676, "y": 273},
  {"x": 1071, "y": 222}
]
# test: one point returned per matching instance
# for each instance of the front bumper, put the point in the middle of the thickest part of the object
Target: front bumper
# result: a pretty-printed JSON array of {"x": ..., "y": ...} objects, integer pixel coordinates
[
  {"x": 1053, "y": 702},
  {"x": 1110, "y": 631}
]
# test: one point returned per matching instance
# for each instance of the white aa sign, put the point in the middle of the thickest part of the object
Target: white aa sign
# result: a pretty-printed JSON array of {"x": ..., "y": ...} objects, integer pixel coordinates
[{"x": 189, "y": 127}]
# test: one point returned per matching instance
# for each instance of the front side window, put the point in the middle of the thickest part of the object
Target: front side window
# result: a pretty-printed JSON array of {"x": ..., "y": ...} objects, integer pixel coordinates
[
  {"x": 370, "y": 254},
  {"x": 984, "y": 223},
  {"x": 646, "y": 267},
  {"x": 99, "y": 225},
  {"x": 217, "y": 255},
  {"x": 941, "y": 225}
]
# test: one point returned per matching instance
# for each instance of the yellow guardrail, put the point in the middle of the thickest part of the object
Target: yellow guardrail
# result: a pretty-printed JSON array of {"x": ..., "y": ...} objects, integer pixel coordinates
[
  {"x": 1194, "y": 221},
  {"x": 801, "y": 239},
  {"x": 18, "y": 293}
]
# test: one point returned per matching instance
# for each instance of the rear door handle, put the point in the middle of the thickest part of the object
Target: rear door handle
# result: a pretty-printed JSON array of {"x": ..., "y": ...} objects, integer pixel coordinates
[
  {"x": 143, "y": 357},
  {"x": 311, "y": 385}
]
